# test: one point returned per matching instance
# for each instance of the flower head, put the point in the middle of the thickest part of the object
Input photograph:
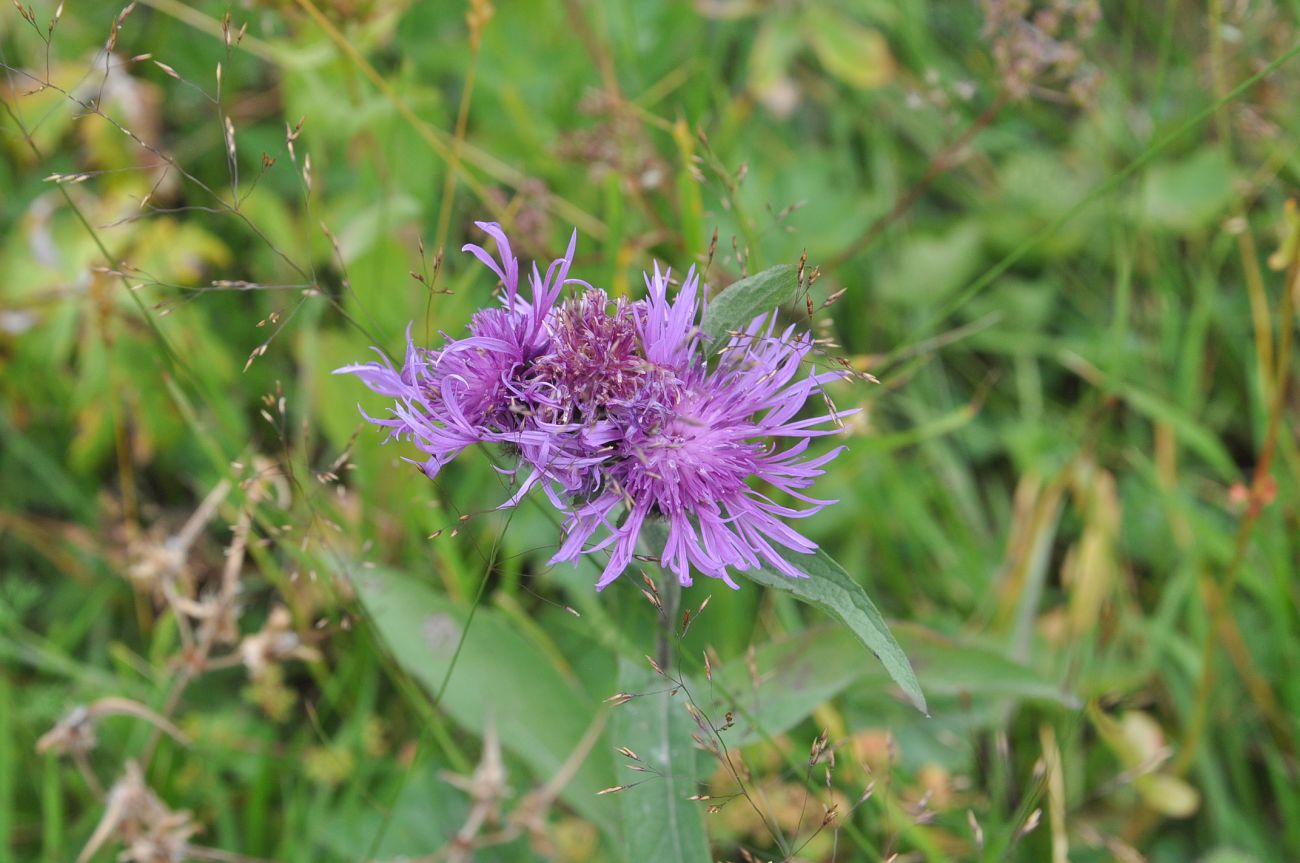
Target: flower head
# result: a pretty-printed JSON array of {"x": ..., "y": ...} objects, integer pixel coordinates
[
  {"x": 695, "y": 440},
  {"x": 615, "y": 411},
  {"x": 473, "y": 389}
]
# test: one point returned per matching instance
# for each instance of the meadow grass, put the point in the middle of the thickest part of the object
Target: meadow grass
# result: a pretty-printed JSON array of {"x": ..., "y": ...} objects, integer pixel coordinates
[{"x": 1060, "y": 251}]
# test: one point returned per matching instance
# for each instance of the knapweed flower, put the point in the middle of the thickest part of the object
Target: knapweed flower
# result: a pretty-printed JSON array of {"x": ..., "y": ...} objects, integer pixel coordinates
[{"x": 616, "y": 410}]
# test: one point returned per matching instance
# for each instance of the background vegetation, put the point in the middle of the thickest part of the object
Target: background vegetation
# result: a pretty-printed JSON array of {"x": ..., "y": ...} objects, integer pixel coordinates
[{"x": 1058, "y": 233}]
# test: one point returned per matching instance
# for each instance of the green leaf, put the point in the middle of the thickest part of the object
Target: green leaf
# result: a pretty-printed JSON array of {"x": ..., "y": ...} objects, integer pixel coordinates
[
  {"x": 1192, "y": 433},
  {"x": 1191, "y": 194},
  {"x": 795, "y": 676},
  {"x": 931, "y": 268},
  {"x": 740, "y": 303},
  {"x": 966, "y": 669},
  {"x": 659, "y": 822},
  {"x": 831, "y": 589},
  {"x": 857, "y": 55},
  {"x": 799, "y": 673},
  {"x": 775, "y": 46},
  {"x": 427, "y": 812},
  {"x": 541, "y": 714}
]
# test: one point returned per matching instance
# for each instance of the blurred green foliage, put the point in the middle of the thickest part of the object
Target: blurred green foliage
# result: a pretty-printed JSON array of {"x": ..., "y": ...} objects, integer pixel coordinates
[{"x": 1053, "y": 490}]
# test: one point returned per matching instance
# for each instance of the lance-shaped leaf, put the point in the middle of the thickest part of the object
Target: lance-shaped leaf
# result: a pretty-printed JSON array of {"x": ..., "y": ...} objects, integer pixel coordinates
[
  {"x": 660, "y": 821},
  {"x": 734, "y": 308},
  {"x": 797, "y": 674},
  {"x": 499, "y": 676},
  {"x": 831, "y": 589}
]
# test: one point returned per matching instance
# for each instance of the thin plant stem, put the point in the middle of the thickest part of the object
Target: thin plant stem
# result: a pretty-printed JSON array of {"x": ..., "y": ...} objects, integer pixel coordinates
[
  {"x": 939, "y": 165},
  {"x": 458, "y": 137},
  {"x": 437, "y": 139},
  {"x": 1246, "y": 245},
  {"x": 670, "y": 595},
  {"x": 1109, "y": 185},
  {"x": 1260, "y": 491}
]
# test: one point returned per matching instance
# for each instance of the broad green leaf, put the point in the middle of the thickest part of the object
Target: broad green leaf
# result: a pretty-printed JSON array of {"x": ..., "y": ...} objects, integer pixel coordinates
[
  {"x": 855, "y": 54},
  {"x": 962, "y": 668},
  {"x": 659, "y": 821},
  {"x": 1190, "y": 194},
  {"x": 367, "y": 226},
  {"x": 424, "y": 816},
  {"x": 931, "y": 268},
  {"x": 797, "y": 674},
  {"x": 500, "y": 676},
  {"x": 831, "y": 589},
  {"x": 741, "y": 302}
]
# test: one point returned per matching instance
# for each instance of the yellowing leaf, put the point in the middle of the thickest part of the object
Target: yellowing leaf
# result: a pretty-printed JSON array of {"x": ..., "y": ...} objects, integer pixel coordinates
[
  {"x": 856, "y": 54},
  {"x": 1090, "y": 568},
  {"x": 1139, "y": 743},
  {"x": 1168, "y": 795},
  {"x": 776, "y": 44},
  {"x": 1289, "y": 245},
  {"x": 1144, "y": 736}
]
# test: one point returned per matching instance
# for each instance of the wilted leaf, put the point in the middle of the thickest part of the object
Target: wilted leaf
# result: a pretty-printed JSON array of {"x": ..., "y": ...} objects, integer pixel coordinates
[
  {"x": 1139, "y": 743},
  {"x": 1289, "y": 243},
  {"x": 1168, "y": 795}
]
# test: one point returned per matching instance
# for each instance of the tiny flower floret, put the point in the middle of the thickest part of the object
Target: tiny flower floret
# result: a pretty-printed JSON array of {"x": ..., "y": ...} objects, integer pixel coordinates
[
  {"x": 594, "y": 358},
  {"x": 614, "y": 409}
]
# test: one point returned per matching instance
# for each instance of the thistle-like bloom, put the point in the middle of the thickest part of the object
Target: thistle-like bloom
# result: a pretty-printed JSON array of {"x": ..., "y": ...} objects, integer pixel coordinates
[
  {"x": 615, "y": 410},
  {"x": 474, "y": 389},
  {"x": 694, "y": 438}
]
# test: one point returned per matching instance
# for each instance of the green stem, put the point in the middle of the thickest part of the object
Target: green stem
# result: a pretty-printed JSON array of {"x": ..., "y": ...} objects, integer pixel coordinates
[{"x": 670, "y": 595}]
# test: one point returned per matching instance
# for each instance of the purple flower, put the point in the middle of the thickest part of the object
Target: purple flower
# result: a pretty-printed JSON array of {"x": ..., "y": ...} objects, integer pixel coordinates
[
  {"x": 474, "y": 390},
  {"x": 594, "y": 359},
  {"x": 694, "y": 439},
  {"x": 613, "y": 408}
]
